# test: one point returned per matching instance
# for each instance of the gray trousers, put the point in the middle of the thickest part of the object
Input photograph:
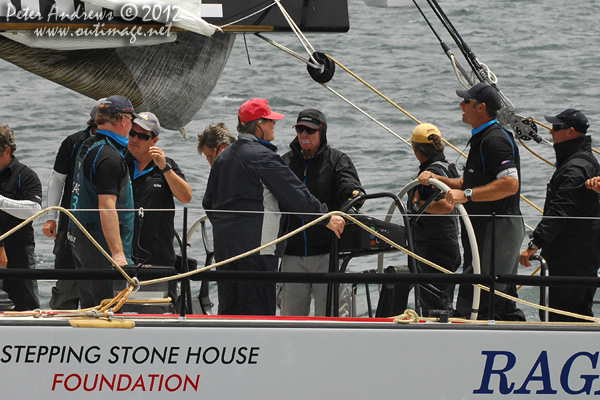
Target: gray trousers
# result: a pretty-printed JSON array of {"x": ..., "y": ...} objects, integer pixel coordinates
[{"x": 509, "y": 232}]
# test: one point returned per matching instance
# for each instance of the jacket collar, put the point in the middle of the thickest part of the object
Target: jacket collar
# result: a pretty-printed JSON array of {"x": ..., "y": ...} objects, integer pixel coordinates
[
  {"x": 482, "y": 127},
  {"x": 249, "y": 136},
  {"x": 120, "y": 141},
  {"x": 566, "y": 149},
  {"x": 431, "y": 160}
]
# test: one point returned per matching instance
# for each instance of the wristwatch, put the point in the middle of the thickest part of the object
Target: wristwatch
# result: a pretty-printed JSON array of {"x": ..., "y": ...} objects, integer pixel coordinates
[
  {"x": 532, "y": 245},
  {"x": 468, "y": 194},
  {"x": 166, "y": 168}
]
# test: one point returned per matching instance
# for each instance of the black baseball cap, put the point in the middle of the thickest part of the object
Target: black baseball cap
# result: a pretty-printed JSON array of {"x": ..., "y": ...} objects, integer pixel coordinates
[
  {"x": 312, "y": 118},
  {"x": 483, "y": 93},
  {"x": 118, "y": 104},
  {"x": 571, "y": 118}
]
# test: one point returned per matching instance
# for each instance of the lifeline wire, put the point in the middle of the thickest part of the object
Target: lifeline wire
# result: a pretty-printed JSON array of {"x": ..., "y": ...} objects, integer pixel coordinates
[{"x": 103, "y": 309}]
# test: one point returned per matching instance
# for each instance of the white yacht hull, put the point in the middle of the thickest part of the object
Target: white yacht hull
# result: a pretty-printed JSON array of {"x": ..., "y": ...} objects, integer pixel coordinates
[{"x": 272, "y": 358}]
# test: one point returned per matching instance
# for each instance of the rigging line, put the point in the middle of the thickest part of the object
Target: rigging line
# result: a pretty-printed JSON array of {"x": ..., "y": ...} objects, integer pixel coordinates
[
  {"x": 289, "y": 51},
  {"x": 458, "y": 69},
  {"x": 373, "y": 89},
  {"x": 365, "y": 113},
  {"x": 534, "y": 153},
  {"x": 295, "y": 28},
  {"x": 481, "y": 70},
  {"x": 463, "y": 47},
  {"x": 299, "y": 35},
  {"x": 247, "y": 16}
]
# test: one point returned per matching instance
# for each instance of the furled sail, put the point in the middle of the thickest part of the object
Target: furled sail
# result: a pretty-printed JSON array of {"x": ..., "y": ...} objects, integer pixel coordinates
[{"x": 172, "y": 80}]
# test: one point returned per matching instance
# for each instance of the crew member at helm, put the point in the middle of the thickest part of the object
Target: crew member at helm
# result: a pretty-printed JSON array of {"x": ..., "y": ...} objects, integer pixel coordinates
[
  {"x": 491, "y": 184},
  {"x": 435, "y": 238}
]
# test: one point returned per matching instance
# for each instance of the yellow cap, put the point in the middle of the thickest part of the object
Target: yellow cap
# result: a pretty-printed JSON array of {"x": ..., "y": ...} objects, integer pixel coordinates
[{"x": 422, "y": 133}]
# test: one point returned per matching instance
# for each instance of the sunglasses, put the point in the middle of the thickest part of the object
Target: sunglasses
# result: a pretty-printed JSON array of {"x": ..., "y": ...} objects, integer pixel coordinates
[
  {"x": 142, "y": 136},
  {"x": 302, "y": 128},
  {"x": 467, "y": 101},
  {"x": 557, "y": 128}
]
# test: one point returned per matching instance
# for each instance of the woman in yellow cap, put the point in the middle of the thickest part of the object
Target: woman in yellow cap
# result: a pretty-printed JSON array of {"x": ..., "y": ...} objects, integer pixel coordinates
[{"x": 436, "y": 238}]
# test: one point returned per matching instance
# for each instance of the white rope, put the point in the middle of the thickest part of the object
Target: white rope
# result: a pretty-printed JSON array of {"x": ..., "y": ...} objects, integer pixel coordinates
[
  {"x": 290, "y": 52},
  {"x": 366, "y": 114},
  {"x": 247, "y": 16},
  {"x": 301, "y": 38}
]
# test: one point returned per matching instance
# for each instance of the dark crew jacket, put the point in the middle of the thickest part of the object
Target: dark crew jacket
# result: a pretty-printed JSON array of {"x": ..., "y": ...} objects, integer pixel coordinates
[
  {"x": 437, "y": 228},
  {"x": 571, "y": 242},
  {"x": 18, "y": 182},
  {"x": 250, "y": 177},
  {"x": 100, "y": 169},
  {"x": 331, "y": 177},
  {"x": 153, "y": 240},
  {"x": 493, "y": 150}
]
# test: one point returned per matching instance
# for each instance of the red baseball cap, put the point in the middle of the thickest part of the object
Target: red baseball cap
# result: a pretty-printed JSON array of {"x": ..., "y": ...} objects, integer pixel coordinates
[{"x": 254, "y": 109}]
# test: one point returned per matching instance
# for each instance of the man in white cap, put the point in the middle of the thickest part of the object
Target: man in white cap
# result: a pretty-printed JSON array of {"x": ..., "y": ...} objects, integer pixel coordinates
[
  {"x": 155, "y": 179},
  {"x": 249, "y": 176},
  {"x": 65, "y": 294},
  {"x": 435, "y": 238}
]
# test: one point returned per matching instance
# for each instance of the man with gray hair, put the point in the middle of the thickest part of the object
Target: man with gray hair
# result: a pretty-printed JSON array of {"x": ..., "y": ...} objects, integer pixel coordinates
[
  {"x": 215, "y": 138},
  {"x": 20, "y": 198}
]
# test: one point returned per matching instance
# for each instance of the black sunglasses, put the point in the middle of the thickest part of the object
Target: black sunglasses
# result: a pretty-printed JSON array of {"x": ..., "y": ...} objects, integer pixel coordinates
[
  {"x": 556, "y": 128},
  {"x": 302, "y": 128},
  {"x": 142, "y": 136},
  {"x": 467, "y": 101}
]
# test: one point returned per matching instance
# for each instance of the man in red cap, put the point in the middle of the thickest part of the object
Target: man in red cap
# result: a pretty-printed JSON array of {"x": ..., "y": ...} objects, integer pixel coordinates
[{"x": 250, "y": 178}]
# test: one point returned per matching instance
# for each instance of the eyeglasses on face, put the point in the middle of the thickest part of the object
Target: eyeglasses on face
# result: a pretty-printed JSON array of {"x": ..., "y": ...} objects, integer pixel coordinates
[
  {"x": 467, "y": 101},
  {"x": 302, "y": 128},
  {"x": 142, "y": 136},
  {"x": 557, "y": 128}
]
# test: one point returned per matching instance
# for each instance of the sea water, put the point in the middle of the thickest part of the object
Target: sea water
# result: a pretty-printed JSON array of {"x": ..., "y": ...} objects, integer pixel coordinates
[{"x": 544, "y": 52}]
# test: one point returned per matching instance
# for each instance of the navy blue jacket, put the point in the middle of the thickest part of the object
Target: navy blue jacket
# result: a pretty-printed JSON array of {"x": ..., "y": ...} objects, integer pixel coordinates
[{"x": 250, "y": 177}]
